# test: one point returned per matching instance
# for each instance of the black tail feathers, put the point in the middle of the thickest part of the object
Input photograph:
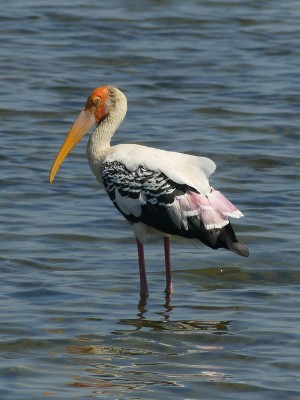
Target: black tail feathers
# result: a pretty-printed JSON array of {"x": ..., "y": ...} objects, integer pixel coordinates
[
  {"x": 224, "y": 238},
  {"x": 231, "y": 241}
]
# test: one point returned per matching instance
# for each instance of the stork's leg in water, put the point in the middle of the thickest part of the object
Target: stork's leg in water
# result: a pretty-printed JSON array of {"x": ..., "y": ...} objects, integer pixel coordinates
[
  {"x": 169, "y": 285},
  {"x": 142, "y": 269}
]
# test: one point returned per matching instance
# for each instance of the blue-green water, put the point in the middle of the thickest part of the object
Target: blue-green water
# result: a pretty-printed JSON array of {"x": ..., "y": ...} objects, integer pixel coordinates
[{"x": 213, "y": 78}]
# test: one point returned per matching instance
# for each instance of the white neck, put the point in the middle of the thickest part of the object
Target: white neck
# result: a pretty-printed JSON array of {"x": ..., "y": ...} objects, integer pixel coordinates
[{"x": 99, "y": 141}]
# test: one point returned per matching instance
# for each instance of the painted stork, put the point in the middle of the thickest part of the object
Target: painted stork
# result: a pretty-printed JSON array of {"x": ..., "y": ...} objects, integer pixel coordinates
[{"x": 158, "y": 192}]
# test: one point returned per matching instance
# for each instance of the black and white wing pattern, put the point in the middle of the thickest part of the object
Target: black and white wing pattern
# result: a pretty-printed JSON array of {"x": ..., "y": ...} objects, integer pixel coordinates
[
  {"x": 141, "y": 195},
  {"x": 151, "y": 197}
]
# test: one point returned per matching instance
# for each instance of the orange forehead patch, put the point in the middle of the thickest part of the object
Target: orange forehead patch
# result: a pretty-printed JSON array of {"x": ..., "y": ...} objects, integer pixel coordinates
[{"x": 101, "y": 92}]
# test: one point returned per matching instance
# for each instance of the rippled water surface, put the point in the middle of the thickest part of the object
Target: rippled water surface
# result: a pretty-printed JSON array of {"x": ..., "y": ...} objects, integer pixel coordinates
[{"x": 212, "y": 78}]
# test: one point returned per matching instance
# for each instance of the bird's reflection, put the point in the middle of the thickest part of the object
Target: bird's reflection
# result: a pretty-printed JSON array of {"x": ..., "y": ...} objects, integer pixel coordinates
[
  {"x": 142, "y": 309},
  {"x": 165, "y": 321}
]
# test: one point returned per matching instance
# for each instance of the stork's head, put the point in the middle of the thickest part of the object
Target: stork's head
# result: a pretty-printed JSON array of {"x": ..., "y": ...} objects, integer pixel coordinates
[{"x": 96, "y": 108}]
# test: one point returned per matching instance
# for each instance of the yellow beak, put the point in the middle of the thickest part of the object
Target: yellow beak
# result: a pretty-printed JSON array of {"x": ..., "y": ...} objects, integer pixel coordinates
[{"x": 84, "y": 122}]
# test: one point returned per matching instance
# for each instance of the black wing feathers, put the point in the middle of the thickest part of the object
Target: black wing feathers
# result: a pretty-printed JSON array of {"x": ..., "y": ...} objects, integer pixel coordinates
[{"x": 154, "y": 193}]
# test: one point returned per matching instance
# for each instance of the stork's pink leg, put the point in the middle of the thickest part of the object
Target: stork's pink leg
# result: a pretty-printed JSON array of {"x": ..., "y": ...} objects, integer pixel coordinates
[
  {"x": 169, "y": 285},
  {"x": 142, "y": 268}
]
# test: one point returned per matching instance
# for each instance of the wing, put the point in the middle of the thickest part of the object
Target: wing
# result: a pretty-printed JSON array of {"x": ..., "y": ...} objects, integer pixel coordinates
[
  {"x": 181, "y": 168},
  {"x": 153, "y": 198}
]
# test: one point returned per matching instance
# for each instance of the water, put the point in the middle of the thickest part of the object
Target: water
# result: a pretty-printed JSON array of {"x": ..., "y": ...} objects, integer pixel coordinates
[{"x": 216, "y": 78}]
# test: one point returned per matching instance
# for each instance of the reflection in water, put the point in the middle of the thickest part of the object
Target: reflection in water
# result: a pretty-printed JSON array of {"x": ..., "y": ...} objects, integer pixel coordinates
[
  {"x": 138, "y": 362},
  {"x": 142, "y": 307},
  {"x": 166, "y": 324},
  {"x": 143, "y": 310}
]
